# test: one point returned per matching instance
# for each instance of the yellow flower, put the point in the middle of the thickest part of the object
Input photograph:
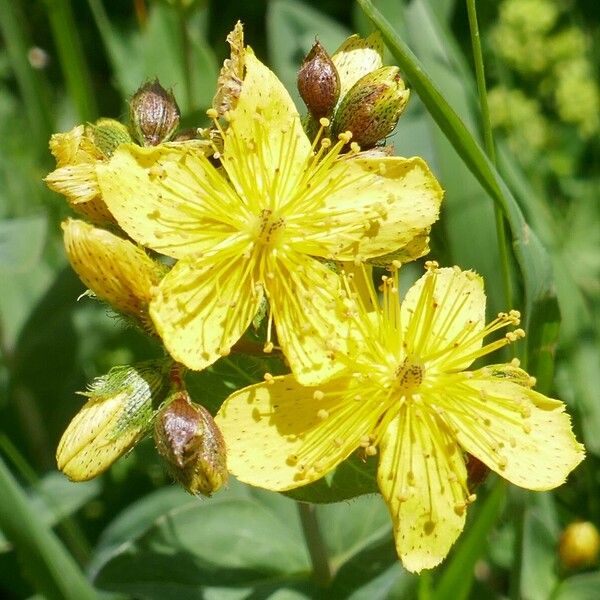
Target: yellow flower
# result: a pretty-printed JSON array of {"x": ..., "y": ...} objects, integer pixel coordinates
[
  {"x": 252, "y": 226},
  {"x": 408, "y": 396},
  {"x": 116, "y": 270},
  {"x": 76, "y": 153}
]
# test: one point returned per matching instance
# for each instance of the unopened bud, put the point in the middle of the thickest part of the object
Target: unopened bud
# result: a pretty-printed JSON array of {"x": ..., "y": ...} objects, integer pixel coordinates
[
  {"x": 108, "y": 135},
  {"x": 372, "y": 107},
  {"x": 116, "y": 416},
  {"x": 154, "y": 114},
  {"x": 579, "y": 545},
  {"x": 116, "y": 270},
  {"x": 188, "y": 438},
  {"x": 319, "y": 82}
]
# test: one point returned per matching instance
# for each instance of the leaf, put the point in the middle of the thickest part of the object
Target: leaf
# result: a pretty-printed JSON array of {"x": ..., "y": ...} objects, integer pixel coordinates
[
  {"x": 21, "y": 243},
  {"x": 579, "y": 587},
  {"x": 172, "y": 545},
  {"x": 354, "y": 477}
]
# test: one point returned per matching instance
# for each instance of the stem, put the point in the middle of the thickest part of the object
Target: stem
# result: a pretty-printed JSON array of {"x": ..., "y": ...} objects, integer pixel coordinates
[
  {"x": 316, "y": 546},
  {"x": 56, "y": 573},
  {"x": 72, "y": 58},
  {"x": 32, "y": 84},
  {"x": 425, "y": 586},
  {"x": 185, "y": 51},
  {"x": 488, "y": 142}
]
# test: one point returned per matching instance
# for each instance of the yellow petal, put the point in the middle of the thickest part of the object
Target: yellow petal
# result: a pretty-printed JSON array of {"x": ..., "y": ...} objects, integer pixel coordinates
[
  {"x": 375, "y": 206},
  {"x": 169, "y": 199},
  {"x": 302, "y": 293},
  {"x": 265, "y": 147},
  {"x": 92, "y": 442},
  {"x": 443, "y": 315},
  {"x": 356, "y": 57},
  {"x": 202, "y": 309},
  {"x": 517, "y": 432},
  {"x": 231, "y": 75},
  {"x": 281, "y": 435},
  {"x": 74, "y": 147},
  {"x": 116, "y": 270},
  {"x": 420, "y": 474}
]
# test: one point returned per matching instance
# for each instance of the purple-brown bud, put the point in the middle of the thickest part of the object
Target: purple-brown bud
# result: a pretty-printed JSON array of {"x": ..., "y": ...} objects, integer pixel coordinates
[
  {"x": 372, "y": 107},
  {"x": 188, "y": 438},
  {"x": 319, "y": 82},
  {"x": 153, "y": 113}
]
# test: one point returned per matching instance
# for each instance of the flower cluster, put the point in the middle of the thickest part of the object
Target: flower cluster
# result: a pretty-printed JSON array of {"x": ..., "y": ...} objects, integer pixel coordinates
[{"x": 193, "y": 235}]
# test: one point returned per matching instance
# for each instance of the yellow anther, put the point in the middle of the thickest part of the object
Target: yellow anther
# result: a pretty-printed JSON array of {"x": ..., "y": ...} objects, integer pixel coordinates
[
  {"x": 431, "y": 265},
  {"x": 371, "y": 450},
  {"x": 268, "y": 347},
  {"x": 269, "y": 378},
  {"x": 322, "y": 414},
  {"x": 324, "y": 122},
  {"x": 211, "y": 113},
  {"x": 318, "y": 395},
  {"x": 325, "y": 143},
  {"x": 354, "y": 147}
]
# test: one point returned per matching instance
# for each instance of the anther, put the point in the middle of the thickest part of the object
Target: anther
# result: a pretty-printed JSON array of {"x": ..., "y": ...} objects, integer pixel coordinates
[
  {"x": 371, "y": 450},
  {"x": 211, "y": 113},
  {"x": 269, "y": 378},
  {"x": 322, "y": 414},
  {"x": 324, "y": 122},
  {"x": 431, "y": 265},
  {"x": 318, "y": 395},
  {"x": 268, "y": 348}
]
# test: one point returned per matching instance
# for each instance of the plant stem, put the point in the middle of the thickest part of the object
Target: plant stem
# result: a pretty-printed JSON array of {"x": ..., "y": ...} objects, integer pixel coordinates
[
  {"x": 185, "y": 52},
  {"x": 314, "y": 542},
  {"x": 56, "y": 573},
  {"x": 72, "y": 58},
  {"x": 488, "y": 142},
  {"x": 32, "y": 84}
]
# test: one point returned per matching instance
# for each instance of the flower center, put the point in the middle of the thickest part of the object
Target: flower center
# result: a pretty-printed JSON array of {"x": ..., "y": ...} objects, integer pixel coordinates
[
  {"x": 269, "y": 229},
  {"x": 408, "y": 375}
]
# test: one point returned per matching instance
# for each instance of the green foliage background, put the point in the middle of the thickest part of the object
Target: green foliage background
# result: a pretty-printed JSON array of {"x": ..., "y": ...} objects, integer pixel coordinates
[{"x": 131, "y": 533}]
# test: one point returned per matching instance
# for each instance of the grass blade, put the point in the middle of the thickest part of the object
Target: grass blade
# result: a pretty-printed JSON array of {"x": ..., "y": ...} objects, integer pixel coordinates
[{"x": 51, "y": 568}]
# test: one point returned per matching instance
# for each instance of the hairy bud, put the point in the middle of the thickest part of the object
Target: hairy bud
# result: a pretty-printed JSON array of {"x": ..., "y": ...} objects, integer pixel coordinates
[
  {"x": 319, "y": 82},
  {"x": 372, "y": 107},
  {"x": 116, "y": 416},
  {"x": 154, "y": 114},
  {"x": 189, "y": 440}
]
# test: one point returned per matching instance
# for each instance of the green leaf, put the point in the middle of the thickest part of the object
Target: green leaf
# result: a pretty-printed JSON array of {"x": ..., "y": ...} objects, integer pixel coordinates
[
  {"x": 292, "y": 27},
  {"x": 172, "y": 545},
  {"x": 579, "y": 587},
  {"x": 47, "y": 563},
  {"x": 354, "y": 477}
]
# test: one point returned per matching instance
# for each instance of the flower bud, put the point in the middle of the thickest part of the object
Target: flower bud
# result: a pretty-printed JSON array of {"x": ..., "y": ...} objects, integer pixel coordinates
[
  {"x": 153, "y": 113},
  {"x": 579, "y": 545},
  {"x": 188, "y": 438},
  {"x": 115, "y": 418},
  {"x": 372, "y": 107},
  {"x": 319, "y": 82},
  {"x": 107, "y": 135},
  {"x": 116, "y": 270}
]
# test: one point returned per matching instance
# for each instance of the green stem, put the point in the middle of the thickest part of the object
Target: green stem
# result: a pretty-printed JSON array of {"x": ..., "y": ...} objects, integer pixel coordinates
[
  {"x": 425, "y": 586},
  {"x": 72, "y": 58},
  {"x": 488, "y": 142},
  {"x": 57, "y": 576},
  {"x": 32, "y": 84},
  {"x": 314, "y": 542},
  {"x": 185, "y": 51}
]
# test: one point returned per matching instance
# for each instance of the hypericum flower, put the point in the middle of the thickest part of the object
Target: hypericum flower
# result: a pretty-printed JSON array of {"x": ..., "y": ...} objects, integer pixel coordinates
[
  {"x": 408, "y": 396},
  {"x": 77, "y": 152},
  {"x": 114, "y": 269},
  {"x": 253, "y": 227}
]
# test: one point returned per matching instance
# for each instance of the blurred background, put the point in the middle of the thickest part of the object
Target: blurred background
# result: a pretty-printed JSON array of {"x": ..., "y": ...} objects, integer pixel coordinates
[{"x": 131, "y": 531}]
